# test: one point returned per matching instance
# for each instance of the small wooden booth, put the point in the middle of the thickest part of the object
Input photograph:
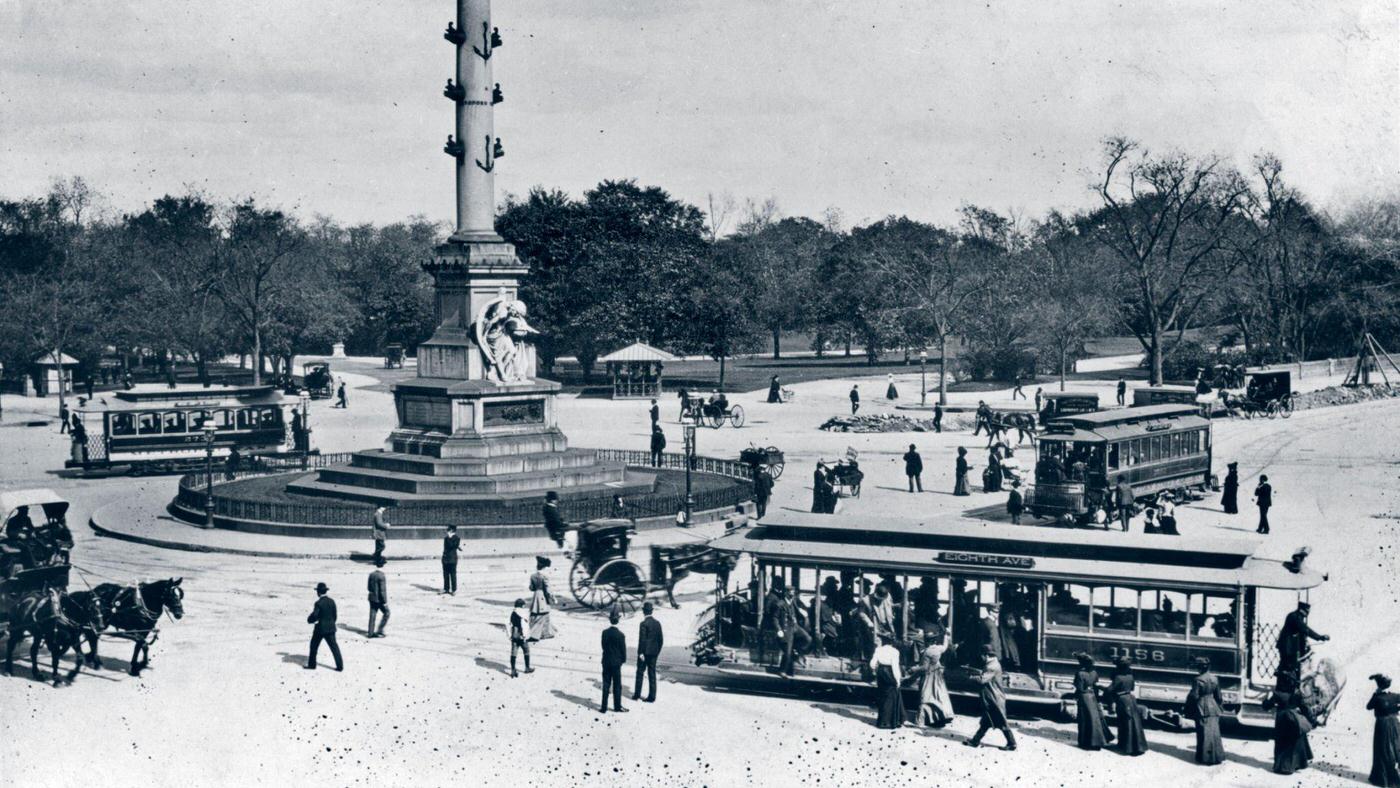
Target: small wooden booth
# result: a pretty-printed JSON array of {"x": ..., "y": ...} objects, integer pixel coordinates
[
  {"x": 55, "y": 373},
  {"x": 636, "y": 371}
]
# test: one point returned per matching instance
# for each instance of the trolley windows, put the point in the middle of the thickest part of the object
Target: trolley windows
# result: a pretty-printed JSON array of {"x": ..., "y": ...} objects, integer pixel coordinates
[
  {"x": 1132, "y": 612},
  {"x": 1115, "y": 610},
  {"x": 1068, "y": 607},
  {"x": 1164, "y": 614},
  {"x": 269, "y": 417},
  {"x": 148, "y": 423},
  {"x": 197, "y": 419},
  {"x": 173, "y": 423},
  {"x": 1213, "y": 617},
  {"x": 123, "y": 424},
  {"x": 247, "y": 419},
  {"x": 223, "y": 420}
]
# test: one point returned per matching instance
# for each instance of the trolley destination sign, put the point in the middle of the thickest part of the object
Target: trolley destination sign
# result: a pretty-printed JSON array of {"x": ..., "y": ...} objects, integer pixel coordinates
[{"x": 986, "y": 559}]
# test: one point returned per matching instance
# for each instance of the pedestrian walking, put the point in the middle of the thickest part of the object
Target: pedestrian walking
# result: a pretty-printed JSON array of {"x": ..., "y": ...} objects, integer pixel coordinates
[
  {"x": 1039, "y": 398},
  {"x": 1124, "y": 500},
  {"x": 1229, "y": 500},
  {"x": 1166, "y": 513},
  {"x": 988, "y": 680},
  {"x": 378, "y": 599},
  {"x": 451, "y": 546},
  {"x": 380, "y": 530},
  {"x": 519, "y": 642},
  {"x": 1122, "y": 391},
  {"x": 1093, "y": 731},
  {"x": 87, "y": 385},
  {"x": 962, "y": 467},
  {"x": 1385, "y": 741},
  {"x": 983, "y": 419},
  {"x": 63, "y": 417},
  {"x": 1203, "y": 704},
  {"x": 885, "y": 663},
  {"x": 322, "y": 619},
  {"x": 762, "y": 491},
  {"x": 649, "y": 640},
  {"x": 1016, "y": 392},
  {"x": 541, "y": 602},
  {"x": 890, "y": 391},
  {"x": 655, "y": 413},
  {"x": 614, "y": 657},
  {"x": 855, "y": 399},
  {"x": 935, "y": 704},
  {"x": 1132, "y": 739},
  {"x": 1264, "y": 498},
  {"x": 1015, "y": 503},
  {"x": 774, "y": 390},
  {"x": 341, "y": 401},
  {"x": 553, "y": 521},
  {"x": 937, "y": 417},
  {"x": 914, "y": 469},
  {"x": 658, "y": 444},
  {"x": 1292, "y": 722}
]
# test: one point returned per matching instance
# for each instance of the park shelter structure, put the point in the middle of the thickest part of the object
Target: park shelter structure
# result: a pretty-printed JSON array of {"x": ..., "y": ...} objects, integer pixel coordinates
[
  {"x": 55, "y": 373},
  {"x": 636, "y": 371}
]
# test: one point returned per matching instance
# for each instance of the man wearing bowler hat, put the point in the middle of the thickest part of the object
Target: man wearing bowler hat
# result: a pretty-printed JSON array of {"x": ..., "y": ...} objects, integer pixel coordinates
[{"x": 323, "y": 618}]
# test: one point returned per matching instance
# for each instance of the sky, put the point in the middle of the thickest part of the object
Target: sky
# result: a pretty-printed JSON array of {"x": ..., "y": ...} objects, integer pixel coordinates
[{"x": 875, "y": 108}]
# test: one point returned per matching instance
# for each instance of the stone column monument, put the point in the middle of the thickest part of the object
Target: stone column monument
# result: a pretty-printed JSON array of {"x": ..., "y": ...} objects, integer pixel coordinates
[{"x": 475, "y": 425}]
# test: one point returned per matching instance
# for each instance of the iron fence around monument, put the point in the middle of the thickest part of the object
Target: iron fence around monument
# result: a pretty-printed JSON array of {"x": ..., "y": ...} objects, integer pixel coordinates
[{"x": 192, "y": 493}]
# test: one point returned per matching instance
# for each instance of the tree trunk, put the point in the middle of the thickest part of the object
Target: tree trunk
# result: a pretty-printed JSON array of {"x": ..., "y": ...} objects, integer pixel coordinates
[
  {"x": 257, "y": 355},
  {"x": 777, "y": 343},
  {"x": 721, "y": 373},
  {"x": 848, "y": 344},
  {"x": 1064, "y": 355},
  {"x": 1156, "y": 354},
  {"x": 943, "y": 369},
  {"x": 820, "y": 342}
]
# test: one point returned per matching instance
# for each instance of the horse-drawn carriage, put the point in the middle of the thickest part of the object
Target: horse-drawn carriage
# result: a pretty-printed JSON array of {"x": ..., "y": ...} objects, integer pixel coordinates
[
  {"x": 28, "y": 543},
  {"x": 714, "y": 412},
  {"x": 770, "y": 458},
  {"x": 602, "y": 577},
  {"x": 845, "y": 477},
  {"x": 316, "y": 376},
  {"x": 1267, "y": 394},
  {"x": 393, "y": 356}
]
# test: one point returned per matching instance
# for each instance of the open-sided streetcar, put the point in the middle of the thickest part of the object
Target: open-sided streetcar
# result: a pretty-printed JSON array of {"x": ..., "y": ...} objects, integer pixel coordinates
[
  {"x": 1079, "y": 458},
  {"x": 161, "y": 430},
  {"x": 1047, "y": 593}
]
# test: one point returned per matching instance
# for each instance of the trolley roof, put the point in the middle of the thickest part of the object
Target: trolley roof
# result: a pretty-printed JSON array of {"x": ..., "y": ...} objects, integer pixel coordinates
[
  {"x": 163, "y": 398},
  {"x": 956, "y": 545}
]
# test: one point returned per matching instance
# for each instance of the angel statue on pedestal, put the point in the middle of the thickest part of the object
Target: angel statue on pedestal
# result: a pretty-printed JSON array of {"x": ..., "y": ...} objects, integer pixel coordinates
[{"x": 502, "y": 333}]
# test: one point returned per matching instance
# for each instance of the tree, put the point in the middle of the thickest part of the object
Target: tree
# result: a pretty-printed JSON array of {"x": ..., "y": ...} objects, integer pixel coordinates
[
  {"x": 720, "y": 323},
  {"x": 257, "y": 243},
  {"x": 1072, "y": 279},
  {"x": 776, "y": 267},
  {"x": 1167, "y": 220}
]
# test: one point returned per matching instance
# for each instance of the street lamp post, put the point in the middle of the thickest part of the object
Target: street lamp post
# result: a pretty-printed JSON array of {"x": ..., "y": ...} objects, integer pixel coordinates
[
  {"x": 209, "y": 474},
  {"x": 304, "y": 439},
  {"x": 923, "y": 377},
  {"x": 2, "y": 391},
  {"x": 689, "y": 461}
]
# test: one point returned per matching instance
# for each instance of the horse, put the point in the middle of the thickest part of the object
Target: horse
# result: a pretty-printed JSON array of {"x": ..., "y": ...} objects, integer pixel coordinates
[
  {"x": 59, "y": 621},
  {"x": 675, "y": 563},
  {"x": 999, "y": 424},
  {"x": 134, "y": 611}
]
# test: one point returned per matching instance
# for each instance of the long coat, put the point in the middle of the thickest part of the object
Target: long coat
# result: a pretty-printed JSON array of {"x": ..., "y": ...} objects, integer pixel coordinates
[
  {"x": 1203, "y": 705},
  {"x": 935, "y": 704},
  {"x": 990, "y": 693},
  {"x": 960, "y": 487},
  {"x": 1230, "y": 500},
  {"x": 1291, "y": 726},
  {"x": 1385, "y": 742},
  {"x": 1090, "y": 717},
  {"x": 1132, "y": 740},
  {"x": 913, "y": 463}
]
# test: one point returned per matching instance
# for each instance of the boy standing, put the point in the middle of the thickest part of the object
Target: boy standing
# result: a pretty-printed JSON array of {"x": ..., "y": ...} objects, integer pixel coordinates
[{"x": 518, "y": 641}]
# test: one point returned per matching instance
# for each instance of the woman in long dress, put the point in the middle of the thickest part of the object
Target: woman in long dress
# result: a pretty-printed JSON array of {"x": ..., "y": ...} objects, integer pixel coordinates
[
  {"x": 960, "y": 487},
  {"x": 1093, "y": 733},
  {"x": 1132, "y": 740},
  {"x": 890, "y": 391},
  {"x": 888, "y": 677},
  {"x": 541, "y": 628},
  {"x": 991, "y": 478},
  {"x": 1291, "y": 725},
  {"x": 935, "y": 704},
  {"x": 1203, "y": 704},
  {"x": 1230, "y": 500},
  {"x": 1385, "y": 743}
]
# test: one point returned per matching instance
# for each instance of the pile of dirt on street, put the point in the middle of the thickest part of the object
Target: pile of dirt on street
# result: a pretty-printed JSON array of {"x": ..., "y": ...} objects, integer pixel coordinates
[
  {"x": 879, "y": 422},
  {"x": 1343, "y": 395}
]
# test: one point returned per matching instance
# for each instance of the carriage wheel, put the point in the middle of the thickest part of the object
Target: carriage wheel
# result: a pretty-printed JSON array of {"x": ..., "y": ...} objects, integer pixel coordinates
[
  {"x": 1286, "y": 407},
  {"x": 587, "y": 590},
  {"x": 624, "y": 583},
  {"x": 1272, "y": 409},
  {"x": 716, "y": 420},
  {"x": 855, "y": 489},
  {"x": 736, "y": 416},
  {"x": 776, "y": 469}
]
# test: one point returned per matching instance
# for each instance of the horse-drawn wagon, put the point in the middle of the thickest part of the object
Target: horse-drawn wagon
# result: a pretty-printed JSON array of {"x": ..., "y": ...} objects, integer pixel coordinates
[
  {"x": 770, "y": 458},
  {"x": 316, "y": 376},
  {"x": 603, "y": 577},
  {"x": 714, "y": 411},
  {"x": 1267, "y": 394}
]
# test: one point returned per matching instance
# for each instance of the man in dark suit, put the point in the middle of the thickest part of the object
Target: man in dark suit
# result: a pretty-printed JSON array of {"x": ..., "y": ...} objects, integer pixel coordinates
[
  {"x": 914, "y": 468},
  {"x": 1264, "y": 497},
  {"x": 648, "y": 649},
  {"x": 658, "y": 444},
  {"x": 451, "y": 546},
  {"x": 1293, "y": 638},
  {"x": 614, "y": 656},
  {"x": 323, "y": 618},
  {"x": 553, "y": 521},
  {"x": 378, "y": 599},
  {"x": 762, "y": 490},
  {"x": 655, "y": 414}
]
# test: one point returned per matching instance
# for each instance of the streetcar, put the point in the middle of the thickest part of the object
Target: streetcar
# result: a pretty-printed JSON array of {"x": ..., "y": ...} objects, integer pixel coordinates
[
  {"x": 1066, "y": 403},
  {"x": 1161, "y": 603},
  {"x": 1080, "y": 458},
  {"x": 152, "y": 429}
]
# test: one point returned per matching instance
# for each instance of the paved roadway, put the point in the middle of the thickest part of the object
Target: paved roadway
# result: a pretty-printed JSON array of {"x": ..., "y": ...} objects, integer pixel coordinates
[{"x": 227, "y": 703}]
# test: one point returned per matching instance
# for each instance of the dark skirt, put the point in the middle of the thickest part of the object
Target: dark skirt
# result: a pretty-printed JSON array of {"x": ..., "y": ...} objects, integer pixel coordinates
[
  {"x": 1209, "y": 749},
  {"x": 1291, "y": 750},
  {"x": 1228, "y": 501},
  {"x": 891, "y": 392},
  {"x": 1132, "y": 739},
  {"x": 961, "y": 487},
  {"x": 891, "y": 703},
  {"x": 1385, "y": 752},
  {"x": 1091, "y": 724}
]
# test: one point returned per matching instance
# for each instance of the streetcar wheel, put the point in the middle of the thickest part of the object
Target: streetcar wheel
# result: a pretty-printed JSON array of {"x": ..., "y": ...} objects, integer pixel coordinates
[
  {"x": 736, "y": 416},
  {"x": 775, "y": 470}
]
